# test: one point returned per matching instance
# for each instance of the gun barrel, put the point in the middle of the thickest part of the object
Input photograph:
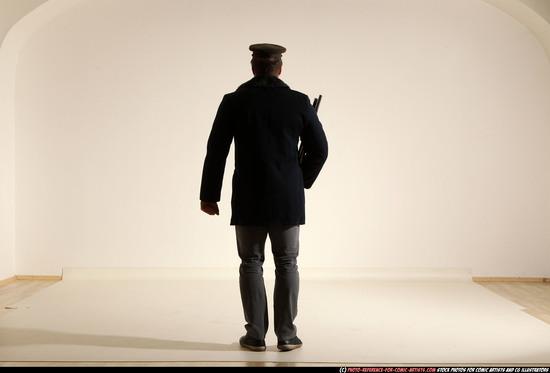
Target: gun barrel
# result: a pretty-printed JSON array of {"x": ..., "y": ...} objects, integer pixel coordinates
[{"x": 317, "y": 102}]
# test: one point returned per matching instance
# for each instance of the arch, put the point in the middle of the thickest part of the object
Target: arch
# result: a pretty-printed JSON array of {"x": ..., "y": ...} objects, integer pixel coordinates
[
  {"x": 529, "y": 17},
  {"x": 14, "y": 41}
]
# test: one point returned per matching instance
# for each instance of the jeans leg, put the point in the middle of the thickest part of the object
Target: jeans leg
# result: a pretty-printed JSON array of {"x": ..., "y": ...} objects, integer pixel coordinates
[
  {"x": 251, "y": 248},
  {"x": 285, "y": 248}
]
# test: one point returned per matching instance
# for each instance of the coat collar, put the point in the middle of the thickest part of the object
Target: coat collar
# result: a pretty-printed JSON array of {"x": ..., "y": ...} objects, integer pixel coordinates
[{"x": 265, "y": 82}]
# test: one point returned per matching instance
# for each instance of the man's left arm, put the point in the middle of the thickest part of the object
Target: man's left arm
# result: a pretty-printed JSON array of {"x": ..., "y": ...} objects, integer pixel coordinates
[
  {"x": 219, "y": 143},
  {"x": 315, "y": 146}
]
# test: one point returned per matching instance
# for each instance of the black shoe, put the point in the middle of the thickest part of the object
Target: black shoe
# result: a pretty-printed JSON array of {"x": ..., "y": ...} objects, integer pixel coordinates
[
  {"x": 290, "y": 344},
  {"x": 252, "y": 344}
]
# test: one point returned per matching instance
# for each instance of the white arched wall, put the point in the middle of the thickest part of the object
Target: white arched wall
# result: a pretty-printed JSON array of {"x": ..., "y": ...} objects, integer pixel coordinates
[
  {"x": 436, "y": 114},
  {"x": 10, "y": 47}
]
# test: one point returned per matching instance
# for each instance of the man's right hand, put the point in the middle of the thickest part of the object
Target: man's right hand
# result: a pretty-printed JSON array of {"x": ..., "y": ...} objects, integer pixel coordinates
[{"x": 211, "y": 208}]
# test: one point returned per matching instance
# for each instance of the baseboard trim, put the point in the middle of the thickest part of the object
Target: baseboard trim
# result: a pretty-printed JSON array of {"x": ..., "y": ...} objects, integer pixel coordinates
[
  {"x": 34, "y": 277},
  {"x": 29, "y": 277},
  {"x": 7, "y": 280},
  {"x": 511, "y": 279}
]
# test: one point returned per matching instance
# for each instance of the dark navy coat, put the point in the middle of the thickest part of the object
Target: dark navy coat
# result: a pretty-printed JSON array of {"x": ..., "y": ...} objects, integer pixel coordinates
[{"x": 266, "y": 119}]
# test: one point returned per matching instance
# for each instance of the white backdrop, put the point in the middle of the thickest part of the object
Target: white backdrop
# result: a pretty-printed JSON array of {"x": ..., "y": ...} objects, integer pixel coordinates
[{"x": 436, "y": 112}]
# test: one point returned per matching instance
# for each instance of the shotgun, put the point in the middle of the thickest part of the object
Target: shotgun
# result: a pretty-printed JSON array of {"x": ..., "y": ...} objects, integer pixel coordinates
[{"x": 301, "y": 151}]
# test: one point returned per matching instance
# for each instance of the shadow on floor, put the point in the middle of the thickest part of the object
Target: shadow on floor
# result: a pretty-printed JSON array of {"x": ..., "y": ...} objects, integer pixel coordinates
[{"x": 18, "y": 337}]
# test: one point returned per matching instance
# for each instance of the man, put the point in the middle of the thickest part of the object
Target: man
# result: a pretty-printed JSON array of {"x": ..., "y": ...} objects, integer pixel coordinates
[{"x": 266, "y": 119}]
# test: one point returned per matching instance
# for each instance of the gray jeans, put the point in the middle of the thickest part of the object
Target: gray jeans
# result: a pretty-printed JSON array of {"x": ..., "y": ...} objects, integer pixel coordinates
[{"x": 251, "y": 247}]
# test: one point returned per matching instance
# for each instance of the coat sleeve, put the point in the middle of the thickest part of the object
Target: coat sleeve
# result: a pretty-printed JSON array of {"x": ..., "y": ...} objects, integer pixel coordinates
[
  {"x": 315, "y": 147},
  {"x": 219, "y": 143}
]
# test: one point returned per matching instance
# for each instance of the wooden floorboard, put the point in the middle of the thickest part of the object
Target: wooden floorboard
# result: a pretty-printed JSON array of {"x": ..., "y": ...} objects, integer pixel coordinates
[
  {"x": 533, "y": 296},
  {"x": 17, "y": 290}
]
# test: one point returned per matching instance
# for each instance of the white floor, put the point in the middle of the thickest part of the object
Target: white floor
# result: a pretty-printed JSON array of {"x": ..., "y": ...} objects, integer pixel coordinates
[{"x": 344, "y": 317}]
